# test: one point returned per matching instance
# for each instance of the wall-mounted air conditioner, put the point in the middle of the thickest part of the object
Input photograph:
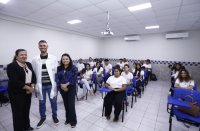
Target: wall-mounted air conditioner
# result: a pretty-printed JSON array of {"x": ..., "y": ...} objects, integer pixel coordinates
[
  {"x": 177, "y": 35},
  {"x": 132, "y": 38}
]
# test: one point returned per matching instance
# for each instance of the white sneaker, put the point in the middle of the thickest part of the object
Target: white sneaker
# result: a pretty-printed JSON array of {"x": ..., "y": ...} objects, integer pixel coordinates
[{"x": 187, "y": 125}]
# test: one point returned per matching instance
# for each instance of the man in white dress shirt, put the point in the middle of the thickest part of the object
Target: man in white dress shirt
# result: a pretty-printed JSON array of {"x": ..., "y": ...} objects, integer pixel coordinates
[{"x": 80, "y": 66}]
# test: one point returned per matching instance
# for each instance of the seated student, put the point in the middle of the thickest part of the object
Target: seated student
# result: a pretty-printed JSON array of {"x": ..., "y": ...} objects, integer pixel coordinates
[
  {"x": 139, "y": 73},
  {"x": 95, "y": 61},
  {"x": 108, "y": 69},
  {"x": 142, "y": 64},
  {"x": 129, "y": 77},
  {"x": 148, "y": 69},
  {"x": 171, "y": 69},
  {"x": 92, "y": 64},
  {"x": 176, "y": 71},
  {"x": 121, "y": 64},
  {"x": 184, "y": 80},
  {"x": 80, "y": 66},
  {"x": 86, "y": 75},
  {"x": 116, "y": 83},
  {"x": 99, "y": 75},
  {"x": 101, "y": 62},
  {"x": 134, "y": 66},
  {"x": 125, "y": 62}
]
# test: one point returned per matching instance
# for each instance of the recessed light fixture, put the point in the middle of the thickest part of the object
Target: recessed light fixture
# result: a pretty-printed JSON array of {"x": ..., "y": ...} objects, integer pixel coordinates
[
  {"x": 74, "y": 21},
  {"x": 4, "y": 1},
  {"x": 152, "y": 27},
  {"x": 140, "y": 7}
]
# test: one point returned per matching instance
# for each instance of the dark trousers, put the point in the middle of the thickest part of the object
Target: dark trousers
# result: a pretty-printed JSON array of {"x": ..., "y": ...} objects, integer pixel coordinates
[
  {"x": 138, "y": 83},
  {"x": 20, "y": 105},
  {"x": 69, "y": 103},
  {"x": 149, "y": 74},
  {"x": 108, "y": 101}
]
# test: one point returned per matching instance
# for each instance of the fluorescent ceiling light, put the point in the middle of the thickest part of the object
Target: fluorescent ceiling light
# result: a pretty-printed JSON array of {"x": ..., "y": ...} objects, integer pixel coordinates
[
  {"x": 74, "y": 21},
  {"x": 4, "y": 1},
  {"x": 152, "y": 27},
  {"x": 140, "y": 7}
]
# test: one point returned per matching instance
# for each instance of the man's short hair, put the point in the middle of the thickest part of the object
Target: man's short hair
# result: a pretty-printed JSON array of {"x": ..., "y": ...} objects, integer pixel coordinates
[{"x": 42, "y": 41}]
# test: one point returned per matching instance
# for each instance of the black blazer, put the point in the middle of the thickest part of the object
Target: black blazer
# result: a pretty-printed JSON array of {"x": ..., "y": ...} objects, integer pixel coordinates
[{"x": 16, "y": 75}]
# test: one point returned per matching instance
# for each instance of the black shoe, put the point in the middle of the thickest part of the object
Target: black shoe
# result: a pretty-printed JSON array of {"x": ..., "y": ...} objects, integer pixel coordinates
[
  {"x": 40, "y": 124},
  {"x": 29, "y": 129},
  {"x": 55, "y": 120}
]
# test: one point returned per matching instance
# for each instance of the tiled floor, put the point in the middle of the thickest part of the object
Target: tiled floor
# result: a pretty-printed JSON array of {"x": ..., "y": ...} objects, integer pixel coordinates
[{"x": 148, "y": 114}]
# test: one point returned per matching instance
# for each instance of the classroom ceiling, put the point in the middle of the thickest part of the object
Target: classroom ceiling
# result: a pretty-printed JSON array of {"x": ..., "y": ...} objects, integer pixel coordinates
[{"x": 170, "y": 15}]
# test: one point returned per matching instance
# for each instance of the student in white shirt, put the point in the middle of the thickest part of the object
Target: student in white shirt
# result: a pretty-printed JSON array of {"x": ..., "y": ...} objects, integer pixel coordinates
[
  {"x": 95, "y": 62},
  {"x": 121, "y": 64},
  {"x": 108, "y": 69},
  {"x": 129, "y": 77},
  {"x": 99, "y": 75},
  {"x": 92, "y": 64},
  {"x": 139, "y": 73},
  {"x": 86, "y": 75},
  {"x": 80, "y": 66},
  {"x": 101, "y": 62},
  {"x": 142, "y": 64},
  {"x": 116, "y": 83},
  {"x": 134, "y": 66},
  {"x": 125, "y": 62},
  {"x": 171, "y": 69},
  {"x": 184, "y": 80},
  {"x": 148, "y": 69}
]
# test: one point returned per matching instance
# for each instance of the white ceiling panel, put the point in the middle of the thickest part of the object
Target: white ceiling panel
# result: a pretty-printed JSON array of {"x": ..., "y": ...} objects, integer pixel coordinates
[
  {"x": 41, "y": 3},
  {"x": 75, "y": 15},
  {"x": 187, "y": 2},
  {"x": 142, "y": 11},
  {"x": 126, "y": 18},
  {"x": 47, "y": 13},
  {"x": 102, "y": 16},
  {"x": 148, "y": 20},
  {"x": 96, "y": 1},
  {"x": 167, "y": 18},
  {"x": 187, "y": 20},
  {"x": 1, "y": 5},
  {"x": 59, "y": 8},
  {"x": 91, "y": 10},
  {"x": 129, "y": 3},
  {"x": 88, "y": 20},
  {"x": 165, "y": 12},
  {"x": 185, "y": 24},
  {"x": 13, "y": 10},
  {"x": 165, "y": 4},
  {"x": 190, "y": 8},
  {"x": 54, "y": 21},
  {"x": 21, "y": 4},
  {"x": 120, "y": 13},
  {"x": 110, "y": 5},
  {"x": 189, "y": 15},
  {"x": 37, "y": 17},
  {"x": 167, "y": 22},
  {"x": 132, "y": 23},
  {"x": 145, "y": 15},
  {"x": 76, "y": 4}
]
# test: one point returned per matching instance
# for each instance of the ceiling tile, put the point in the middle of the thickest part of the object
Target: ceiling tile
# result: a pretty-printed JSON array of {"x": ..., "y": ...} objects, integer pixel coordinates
[
  {"x": 164, "y": 4},
  {"x": 167, "y": 18},
  {"x": 162, "y": 23},
  {"x": 96, "y": 1},
  {"x": 63, "y": 18},
  {"x": 47, "y": 13},
  {"x": 75, "y": 15},
  {"x": 76, "y": 4},
  {"x": 59, "y": 8},
  {"x": 13, "y": 10},
  {"x": 185, "y": 24},
  {"x": 188, "y": 15},
  {"x": 126, "y": 18},
  {"x": 88, "y": 20},
  {"x": 132, "y": 23},
  {"x": 21, "y": 4},
  {"x": 37, "y": 17},
  {"x": 190, "y": 8},
  {"x": 112, "y": 21},
  {"x": 129, "y": 3},
  {"x": 142, "y": 11},
  {"x": 148, "y": 20},
  {"x": 170, "y": 11},
  {"x": 135, "y": 26},
  {"x": 98, "y": 23},
  {"x": 182, "y": 28},
  {"x": 110, "y": 5},
  {"x": 145, "y": 15},
  {"x": 102, "y": 16},
  {"x": 187, "y": 20},
  {"x": 91, "y": 10},
  {"x": 150, "y": 24},
  {"x": 187, "y": 2},
  {"x": 1, "y": 5},
  {"x": 41, "y": 3},
  {"x": 54, "y": 21},
  {"x": 120, "y": 13},
  {"x": 168, "y": 29}
]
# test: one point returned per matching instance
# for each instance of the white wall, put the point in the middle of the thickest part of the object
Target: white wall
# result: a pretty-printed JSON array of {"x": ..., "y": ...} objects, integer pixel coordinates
[
  {"x": 154, "y": 47},
  {"x": 16, "y": 34}
]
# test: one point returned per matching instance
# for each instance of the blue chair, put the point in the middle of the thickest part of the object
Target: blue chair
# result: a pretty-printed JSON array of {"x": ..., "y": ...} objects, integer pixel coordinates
[
  {"x": 3, "y": 91},
  {"x": 180, "y": 93},
  {"x": 134, "y": 85},
  {"x": 194, "y": 88},
  {"x": 91, "y": 84},
  {"x": 133, "y": 91}
]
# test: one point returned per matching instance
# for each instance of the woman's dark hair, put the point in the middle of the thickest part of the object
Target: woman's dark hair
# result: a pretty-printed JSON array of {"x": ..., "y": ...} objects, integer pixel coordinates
[
  {"x": 176, "y": 68},
  {"x": 96, "y": 60},
  {"x": 99, "y": 66},
  {"x": 148, "y": 60},
  {"x": 187, "y": 78},
  {"x": 17, "y": 53},
  {"x": 62, "y": 65},
  {"x": 84, "y": 70},
  {"x": 117, "y": 67},
  {"x": 126, "y": 65},
  {"x": 137, "y": 70}
]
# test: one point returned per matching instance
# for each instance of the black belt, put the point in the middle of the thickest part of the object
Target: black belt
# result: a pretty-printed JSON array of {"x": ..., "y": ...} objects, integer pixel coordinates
[{"x": 28, "y": 84}]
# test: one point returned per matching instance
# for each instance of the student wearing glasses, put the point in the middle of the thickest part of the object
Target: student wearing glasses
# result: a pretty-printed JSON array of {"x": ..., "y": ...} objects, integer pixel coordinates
[{"x": 21, "y": 85}]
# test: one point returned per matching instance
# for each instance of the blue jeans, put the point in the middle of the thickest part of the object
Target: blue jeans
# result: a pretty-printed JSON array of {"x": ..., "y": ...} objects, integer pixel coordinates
[
  {"x": 42, "y": 106},
  {"x": 128, "y": 88}
]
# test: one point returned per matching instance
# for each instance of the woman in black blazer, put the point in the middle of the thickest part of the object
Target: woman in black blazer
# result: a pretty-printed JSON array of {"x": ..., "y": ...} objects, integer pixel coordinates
[{"x": 21, "y": 84}]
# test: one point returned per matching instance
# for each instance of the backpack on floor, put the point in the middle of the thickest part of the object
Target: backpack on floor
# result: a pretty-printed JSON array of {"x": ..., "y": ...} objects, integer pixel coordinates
[{"x": 153, "y": 78}]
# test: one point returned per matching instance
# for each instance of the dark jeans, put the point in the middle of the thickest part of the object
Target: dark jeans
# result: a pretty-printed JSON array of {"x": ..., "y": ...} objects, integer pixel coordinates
[
  {"x": 149, "y": 74},
  {"x": 108, "y": 100},
  {"x": 138, "y": 83},
  {"x": 69, "y": 103},
  {"x": 20, "y": 105}
]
